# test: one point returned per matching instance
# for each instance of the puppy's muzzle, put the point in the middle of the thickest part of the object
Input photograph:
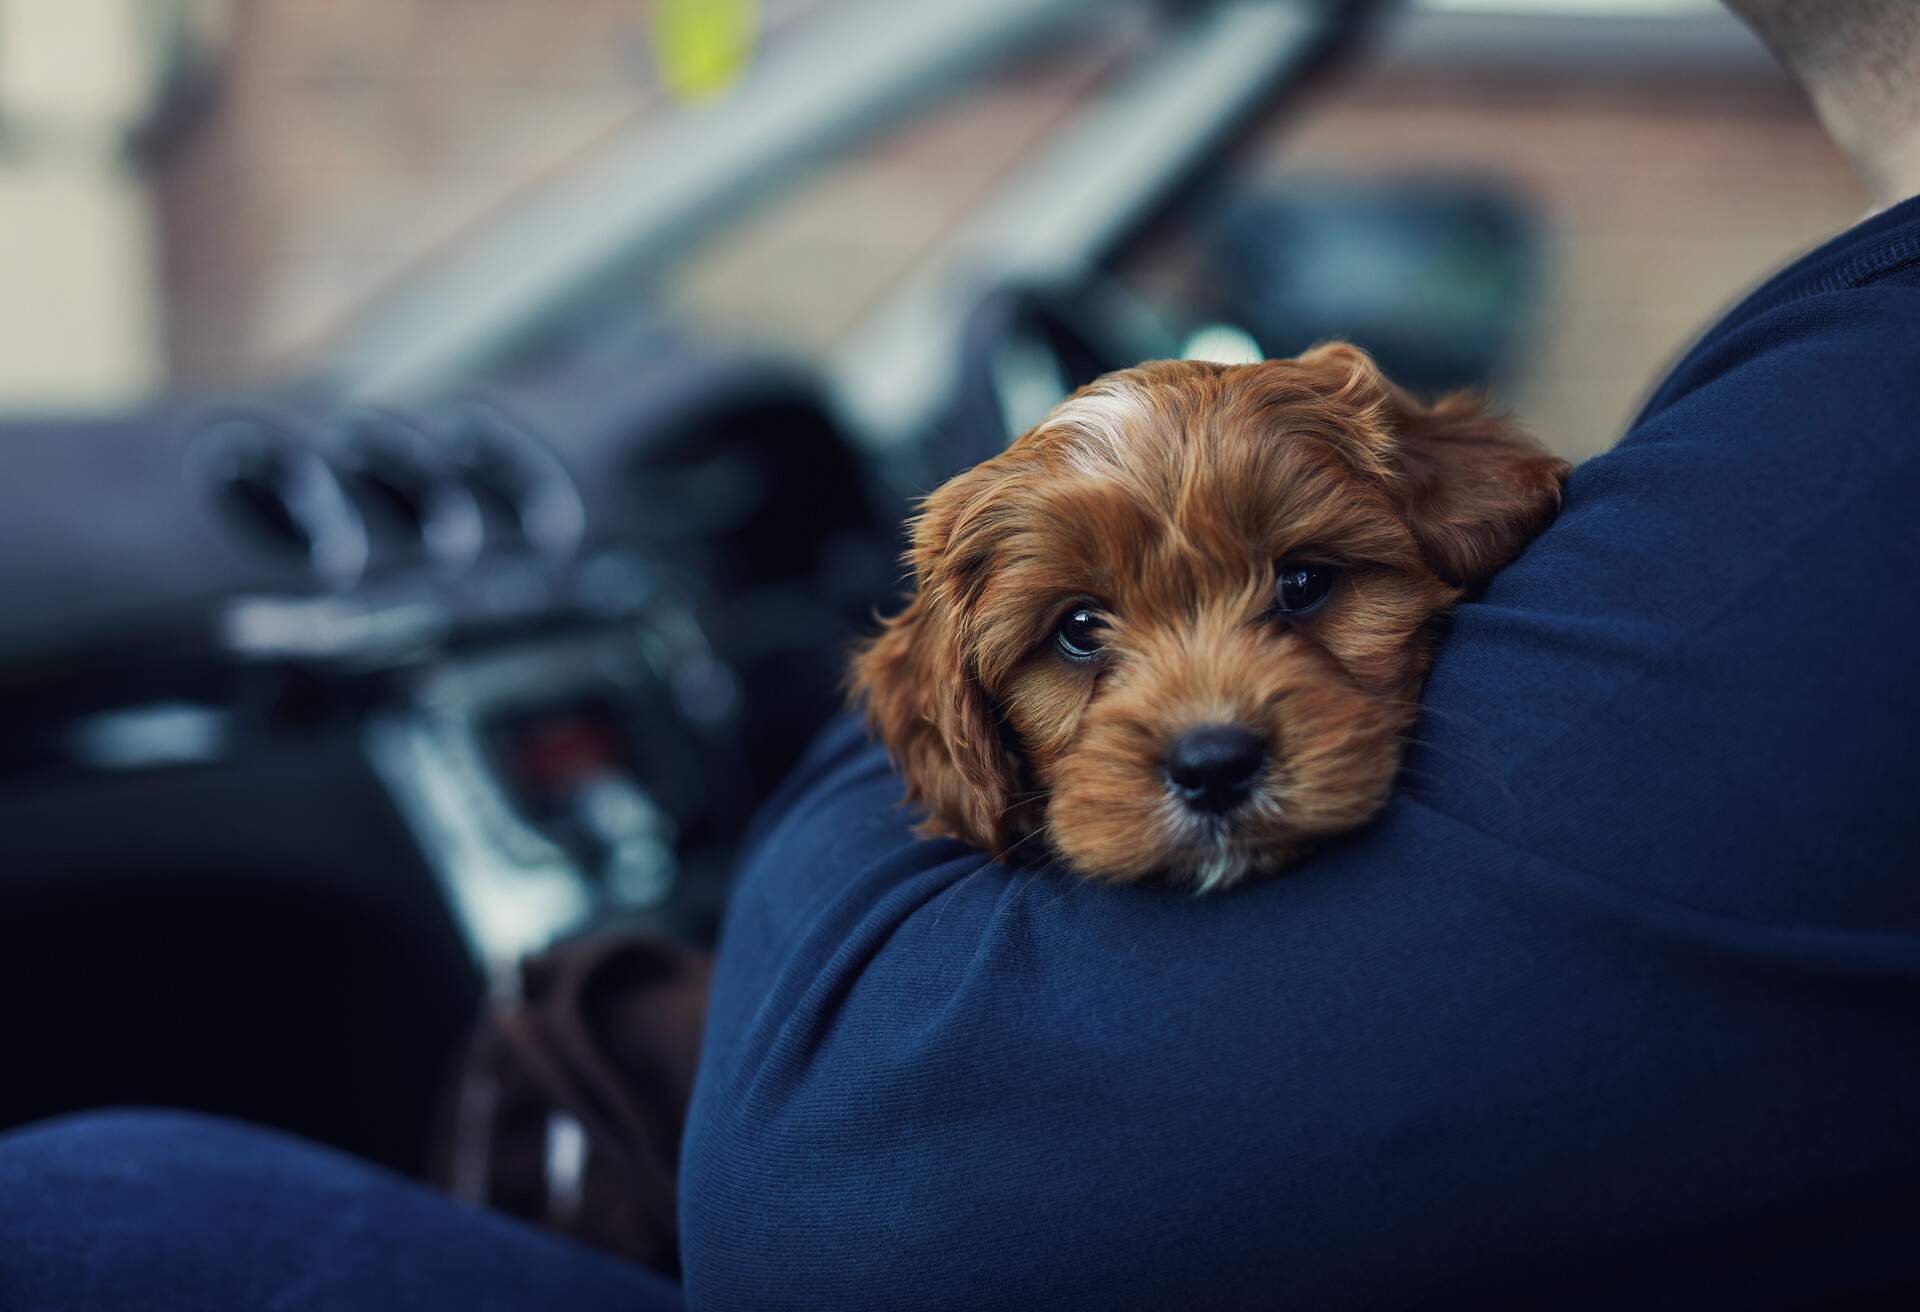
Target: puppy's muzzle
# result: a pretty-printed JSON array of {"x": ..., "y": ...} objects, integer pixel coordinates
[{"x": 1213, "y": 768}]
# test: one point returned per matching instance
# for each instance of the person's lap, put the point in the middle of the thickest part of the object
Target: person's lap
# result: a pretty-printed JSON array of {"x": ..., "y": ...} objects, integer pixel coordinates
[{"x": 161, "y": 1211}]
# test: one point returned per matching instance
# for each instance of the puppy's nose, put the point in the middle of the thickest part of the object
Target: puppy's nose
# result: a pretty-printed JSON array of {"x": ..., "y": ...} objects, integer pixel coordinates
[{"x": 1212, "y": 768}]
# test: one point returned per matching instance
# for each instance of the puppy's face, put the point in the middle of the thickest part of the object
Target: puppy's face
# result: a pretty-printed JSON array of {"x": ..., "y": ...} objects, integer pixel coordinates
[{"x": 1178, "y": 629}]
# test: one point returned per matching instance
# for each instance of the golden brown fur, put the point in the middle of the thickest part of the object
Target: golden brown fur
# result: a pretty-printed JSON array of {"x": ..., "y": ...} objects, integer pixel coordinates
[{"x": 1165, "y": 495}]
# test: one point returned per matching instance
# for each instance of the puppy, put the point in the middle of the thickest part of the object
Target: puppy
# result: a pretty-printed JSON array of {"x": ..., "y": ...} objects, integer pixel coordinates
[{"x": 1178, "y": 629}]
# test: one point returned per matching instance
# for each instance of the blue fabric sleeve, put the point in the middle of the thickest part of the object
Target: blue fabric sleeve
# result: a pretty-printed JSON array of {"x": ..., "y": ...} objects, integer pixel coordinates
[{"x": 1618, "y": 1001}]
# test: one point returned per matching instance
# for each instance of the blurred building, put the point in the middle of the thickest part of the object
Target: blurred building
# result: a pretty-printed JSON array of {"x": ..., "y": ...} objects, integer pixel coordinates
[
  {"x": 169, "y": 219},
  {"x": 348, "y": 140},
  {"x": 1671, "y": 167},
  {"x": 84, "y": 84}
]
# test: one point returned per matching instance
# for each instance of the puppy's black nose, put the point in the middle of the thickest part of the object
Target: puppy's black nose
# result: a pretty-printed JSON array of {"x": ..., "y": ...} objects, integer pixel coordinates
[{"x": 1212, "y": 768}]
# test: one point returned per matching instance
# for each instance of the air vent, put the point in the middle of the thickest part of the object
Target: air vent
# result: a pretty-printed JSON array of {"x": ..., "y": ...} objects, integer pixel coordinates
[
  {"x": 520, "y": 484},
  {"x": 410, "y": 490},
  {"x": 279, "y": 489}
]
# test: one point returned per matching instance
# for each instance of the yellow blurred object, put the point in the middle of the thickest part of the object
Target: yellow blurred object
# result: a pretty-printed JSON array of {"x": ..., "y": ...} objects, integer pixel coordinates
[{"x": 704, "y": 45}]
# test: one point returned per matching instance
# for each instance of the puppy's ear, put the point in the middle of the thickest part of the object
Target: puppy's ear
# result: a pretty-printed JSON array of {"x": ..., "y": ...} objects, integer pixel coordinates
[
  {"x": 918, "y": 683},
  {"x": 1477, "y": 488},
  {"x": 1474, "y": 487}
]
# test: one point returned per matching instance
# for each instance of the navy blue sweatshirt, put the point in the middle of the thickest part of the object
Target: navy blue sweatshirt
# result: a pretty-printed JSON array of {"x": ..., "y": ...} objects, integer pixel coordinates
[{"x": 1617, "y": 1004}]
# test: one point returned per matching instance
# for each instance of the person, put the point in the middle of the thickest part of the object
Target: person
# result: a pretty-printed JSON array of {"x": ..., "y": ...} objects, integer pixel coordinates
[{"x": 1617, "y": 1004}]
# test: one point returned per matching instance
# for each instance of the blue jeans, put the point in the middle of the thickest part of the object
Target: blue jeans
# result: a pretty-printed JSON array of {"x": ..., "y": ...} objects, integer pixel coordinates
[{"x": 159, "y": 1211}]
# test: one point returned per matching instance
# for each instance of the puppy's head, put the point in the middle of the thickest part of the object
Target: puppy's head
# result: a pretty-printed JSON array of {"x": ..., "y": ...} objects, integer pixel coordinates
[{"x": 1179, "y": 627}]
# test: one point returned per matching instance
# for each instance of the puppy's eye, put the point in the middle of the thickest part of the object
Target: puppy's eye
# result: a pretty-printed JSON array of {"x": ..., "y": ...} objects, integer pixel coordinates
[
  {"x": 1300, "y": 587},
  {"x": 1077, "y": 635}
]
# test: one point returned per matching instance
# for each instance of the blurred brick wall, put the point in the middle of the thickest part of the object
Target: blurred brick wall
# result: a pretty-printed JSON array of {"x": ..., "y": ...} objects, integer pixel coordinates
[
  {"x": 348, "y": 139},
  {"x": 353, "y": 138},
  {"x": 1662, "y": 203}
]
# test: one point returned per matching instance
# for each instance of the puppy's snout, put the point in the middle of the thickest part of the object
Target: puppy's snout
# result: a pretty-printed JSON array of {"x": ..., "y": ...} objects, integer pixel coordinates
[{"x": 1212, "y": 768}]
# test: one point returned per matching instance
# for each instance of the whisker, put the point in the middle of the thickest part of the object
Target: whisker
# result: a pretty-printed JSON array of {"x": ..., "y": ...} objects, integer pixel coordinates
[
  {"x": 1020, "y": 843},
  {"x": 1020, "y": 800},
  {"x": 1444, "y": 713},
  {"x": 941, "y": 910},
  {"x": 1479, "y": 767}
]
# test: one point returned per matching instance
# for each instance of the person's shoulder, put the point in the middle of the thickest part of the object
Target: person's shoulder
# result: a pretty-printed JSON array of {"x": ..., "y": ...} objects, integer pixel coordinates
[
  {"x": 1841, "y": 320},
  {"x": 1859, "y": 347}
]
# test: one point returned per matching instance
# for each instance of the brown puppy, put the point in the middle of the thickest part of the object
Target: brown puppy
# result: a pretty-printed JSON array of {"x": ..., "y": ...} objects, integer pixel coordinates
[{"x": 1178, "y": 629}]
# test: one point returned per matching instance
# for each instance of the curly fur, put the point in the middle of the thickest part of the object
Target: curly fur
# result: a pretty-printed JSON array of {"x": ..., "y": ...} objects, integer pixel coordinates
[{"x": 1167, "y": 493}]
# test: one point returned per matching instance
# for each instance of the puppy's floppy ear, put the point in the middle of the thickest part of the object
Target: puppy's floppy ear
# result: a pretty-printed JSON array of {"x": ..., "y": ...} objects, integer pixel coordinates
[
  {"x": 919, "y": 686},
  {"x": 1478, "y": 489},
  {"x": 1474, "y": 487}
]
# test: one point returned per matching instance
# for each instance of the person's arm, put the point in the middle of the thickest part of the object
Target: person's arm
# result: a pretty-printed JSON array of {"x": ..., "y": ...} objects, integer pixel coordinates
[{"x": 1621, "y": 993}]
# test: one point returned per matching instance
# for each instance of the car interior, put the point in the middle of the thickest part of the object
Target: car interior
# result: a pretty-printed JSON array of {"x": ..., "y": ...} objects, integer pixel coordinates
[{"x": 330, "y": 694}]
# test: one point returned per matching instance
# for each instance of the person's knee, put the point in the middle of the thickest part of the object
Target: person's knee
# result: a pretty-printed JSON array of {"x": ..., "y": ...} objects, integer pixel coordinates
[
  {"x": 97, "y": 1165},
  {"x": 126, "y": 1202},
  {"x": 121, "y": 1145},
  {"x": 129, "y": 1200},
  {"x": 115, "y": 1128}
]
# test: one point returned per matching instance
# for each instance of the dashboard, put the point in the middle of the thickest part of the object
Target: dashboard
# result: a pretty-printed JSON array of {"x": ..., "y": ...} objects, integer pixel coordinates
[{"x": 319, "y": 715}]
